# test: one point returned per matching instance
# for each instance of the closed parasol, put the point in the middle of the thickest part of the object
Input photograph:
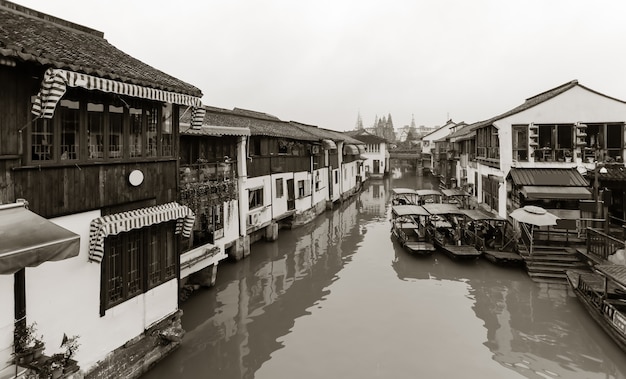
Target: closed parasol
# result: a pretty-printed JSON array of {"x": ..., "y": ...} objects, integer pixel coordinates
[{"x": 534, "y": 215}]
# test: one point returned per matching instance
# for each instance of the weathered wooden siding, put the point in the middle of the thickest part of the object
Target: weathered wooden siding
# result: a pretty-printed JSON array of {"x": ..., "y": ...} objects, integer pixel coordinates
[{"x": 56, "y": 191}]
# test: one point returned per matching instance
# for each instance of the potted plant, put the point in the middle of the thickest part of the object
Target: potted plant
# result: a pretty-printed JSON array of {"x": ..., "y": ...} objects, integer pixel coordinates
[
  {"x": 70, "y": 344},
  {"x": 28, "y": 346},
  {"x": 53, "y": 367},
  {"x": 567, "y": 153}
]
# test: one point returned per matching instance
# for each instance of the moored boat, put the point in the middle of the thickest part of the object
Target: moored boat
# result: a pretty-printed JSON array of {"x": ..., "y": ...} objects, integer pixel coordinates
[
  {"x": 603, "y": 294},
  {"x": 429, "y": 196},
  {"x": 444, "y": 227},
  {"x": 408, "y": 226},
  {"x": 404, "y": 196},
  {"x": 487, "y": 231}
]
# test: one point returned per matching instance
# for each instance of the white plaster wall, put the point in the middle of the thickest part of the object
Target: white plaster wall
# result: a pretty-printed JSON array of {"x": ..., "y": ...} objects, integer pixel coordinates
[
  {"x": 265, "y": 211},
  {"x": 279, "y": 204},
  {"x": 336, "y": 185},
  {"x": 231, "y": 223},
  {"x": 64, "y": 297},
  {"x": 322, "y": 193},
  {"x": 302, "y": 203},
  {"x": 7, "y": 315},
  {"x": 348, "y": 176}
]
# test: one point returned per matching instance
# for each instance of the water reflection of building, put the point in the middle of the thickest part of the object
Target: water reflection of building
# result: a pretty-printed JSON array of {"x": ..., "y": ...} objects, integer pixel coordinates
[
  {"x": 251, "y": 312},
  {"x": 530, "y": 329},
  {"x": 373, "y": 198}
]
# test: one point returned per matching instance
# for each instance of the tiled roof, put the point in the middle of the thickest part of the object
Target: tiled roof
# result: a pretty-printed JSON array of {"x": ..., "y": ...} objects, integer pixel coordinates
[
  {"x": 212, "y": 130},
  {"x": 260, "y": 124},
  {"x": 536, "y": 100},
  {"x": 561, "y": 177},
  {"x": 30, "y": 36},
  {"x": 365, "y": 136},
  {"x": 615, "y": 172}
]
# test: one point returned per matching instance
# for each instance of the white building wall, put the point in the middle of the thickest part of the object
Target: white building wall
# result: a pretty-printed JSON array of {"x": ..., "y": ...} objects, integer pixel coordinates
[
  {"x": 64, "y": 297},
  {"x": 279, "y": 204},
  {"x": 264, "y": 212},
  {"x": 322, "y": 192},
  {"x": 349, "y": 171},
  {"x": 303, "y": 203},
  {"x": 336, "y": 178},
  {"x": 7, "y": 314}
]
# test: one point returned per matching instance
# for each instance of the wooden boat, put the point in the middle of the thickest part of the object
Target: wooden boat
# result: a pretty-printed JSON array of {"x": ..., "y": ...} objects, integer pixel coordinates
[
  {"x": 429, "y": 196},
  {"x": 487, "y": 231},
  {"x": 404, "y": 196},
  {"x": 456, "y": 196},
  {"x": 408, "y": 226},
  {"x": 444, "y": 227},
  {"x": 603, "y": 294}
]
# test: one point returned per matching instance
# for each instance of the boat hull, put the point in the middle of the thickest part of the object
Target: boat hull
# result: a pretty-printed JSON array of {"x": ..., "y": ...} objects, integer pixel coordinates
[
  {"x": 608, "y": 324},
  {"x": 458, "y": 251},
  {"x": 415, "y": 247}
]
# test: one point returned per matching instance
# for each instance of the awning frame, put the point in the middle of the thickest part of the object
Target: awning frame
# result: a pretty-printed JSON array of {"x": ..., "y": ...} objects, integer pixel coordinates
[
  {"x": 114, "y": 224},
  {"x": 55, "y": 83}
]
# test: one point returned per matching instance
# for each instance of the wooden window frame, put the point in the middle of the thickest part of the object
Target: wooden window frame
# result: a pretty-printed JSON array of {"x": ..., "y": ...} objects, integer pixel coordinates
[
  {"x": 54, "y": 124},
  {"x": 255, "y": 194},
  {"x": 163, "y": 270}
]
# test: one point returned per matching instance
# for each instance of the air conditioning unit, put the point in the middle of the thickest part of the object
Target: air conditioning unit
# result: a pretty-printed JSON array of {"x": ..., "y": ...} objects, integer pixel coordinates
[{"x": 253, "y": 219}]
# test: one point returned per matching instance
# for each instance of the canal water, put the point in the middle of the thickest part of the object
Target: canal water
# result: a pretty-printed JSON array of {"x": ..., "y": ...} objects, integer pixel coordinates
[{"x": 340, "y": 299}]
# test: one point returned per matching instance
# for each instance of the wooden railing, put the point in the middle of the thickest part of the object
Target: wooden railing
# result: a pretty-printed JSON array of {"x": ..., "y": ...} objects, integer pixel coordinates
[
  {"x": 601, "y": 245},
  {"x": 526, "y": 238},
  {"x": 206, "y": 172}
]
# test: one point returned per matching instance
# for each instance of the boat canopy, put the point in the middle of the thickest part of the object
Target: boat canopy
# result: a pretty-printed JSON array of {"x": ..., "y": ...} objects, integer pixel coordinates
[
  {"x": 409, "y": 210},
  {"x": 445, "y": 208},
  {"x": 403, "y": 191},
  {"x": 428, "y": 192},
  {"x": 477, "y": 215},
  {"x": 454, "y": 192}
]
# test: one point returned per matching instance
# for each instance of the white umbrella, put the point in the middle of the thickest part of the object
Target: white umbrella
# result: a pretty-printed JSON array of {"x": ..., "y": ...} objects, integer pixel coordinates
[{"x": 534, "y": 215}]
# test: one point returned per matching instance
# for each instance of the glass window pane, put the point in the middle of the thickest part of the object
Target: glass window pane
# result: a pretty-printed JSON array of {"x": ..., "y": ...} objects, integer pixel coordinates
[
  {"x": 166, "y": 131},
  {"x": 170, "y": 252},
  {"x": 70, "y": 123},
  {"x": 135, "y": 136},
  {"x": 133, "y": 254},
  {"x": 42, "y": 141},
  {"x": 154, "y": 264},
  {"x": 95, "y": 131},
  {"x": 152, "y": 115},
  {"x": 116, "y": 132},
  {"x": 115, "y": 282}
]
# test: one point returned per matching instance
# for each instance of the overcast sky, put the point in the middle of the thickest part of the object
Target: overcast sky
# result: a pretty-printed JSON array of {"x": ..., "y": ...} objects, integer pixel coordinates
[{"x": 322, "y": 62}]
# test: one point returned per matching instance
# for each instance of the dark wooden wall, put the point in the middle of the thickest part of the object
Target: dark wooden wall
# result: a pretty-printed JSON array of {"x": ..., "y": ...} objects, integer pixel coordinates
[
  {"x": 57, "y": 191},
  {"x": 65, "y": 189}
]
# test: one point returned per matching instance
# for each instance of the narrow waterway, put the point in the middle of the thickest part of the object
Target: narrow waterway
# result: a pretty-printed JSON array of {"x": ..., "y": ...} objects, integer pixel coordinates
[{"x": 340, "y": 299}]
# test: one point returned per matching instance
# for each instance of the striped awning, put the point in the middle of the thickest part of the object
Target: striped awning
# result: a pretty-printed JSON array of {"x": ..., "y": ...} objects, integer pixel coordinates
[
  {"x": 329, "y": 144},
  {"x": 104, "y": 226},
  {"x": 350, "y": 149},
  {"x": 361, "y": 149},
  {"x": 55, "y": 82}
]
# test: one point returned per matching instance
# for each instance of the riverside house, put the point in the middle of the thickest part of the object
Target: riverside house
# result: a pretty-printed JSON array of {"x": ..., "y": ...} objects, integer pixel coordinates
[
  {"x": 89, "y": 158},
  {"x": 545, "y": 151},
  {"x": 376, "y": 154},
  {"x": 289, "y": 174}
]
